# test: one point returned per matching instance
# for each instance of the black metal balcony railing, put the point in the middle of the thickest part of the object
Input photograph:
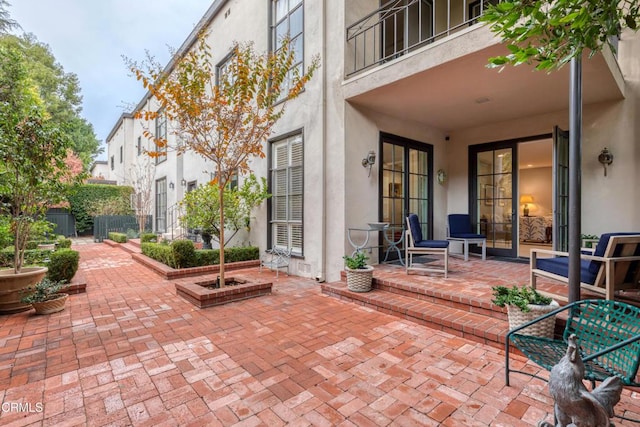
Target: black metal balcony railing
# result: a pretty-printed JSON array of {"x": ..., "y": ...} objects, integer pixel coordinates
[{"x": 400, "y": 26}]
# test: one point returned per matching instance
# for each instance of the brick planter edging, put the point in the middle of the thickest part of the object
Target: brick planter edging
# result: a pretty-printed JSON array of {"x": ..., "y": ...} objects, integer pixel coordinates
[
  {"x": 170, "y": 273},
  {"x": 78, "y": 285},
  {"x": 203, "y": 297}
]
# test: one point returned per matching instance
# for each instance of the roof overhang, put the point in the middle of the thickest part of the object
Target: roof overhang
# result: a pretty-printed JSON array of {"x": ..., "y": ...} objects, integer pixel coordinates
[{"x": 448, "y": 86}]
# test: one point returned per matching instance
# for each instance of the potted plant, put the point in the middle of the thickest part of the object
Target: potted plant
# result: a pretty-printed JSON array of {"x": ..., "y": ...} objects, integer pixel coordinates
[
  {"x": 359, "y": 274},
  {"x": 45, "y": 297},
  {"x": 32, "y": 172},
  {"x": 525, "y": 304}
]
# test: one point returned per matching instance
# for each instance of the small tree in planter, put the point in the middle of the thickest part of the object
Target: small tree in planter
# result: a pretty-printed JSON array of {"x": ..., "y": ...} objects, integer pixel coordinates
[
  {"x": 225, "y": 120},
  {"x": 33, "y": 151},
  {"x": 202, "y": 208},
  {"x": 524, "y": 304},
  {"x": 359, "y": 274}
]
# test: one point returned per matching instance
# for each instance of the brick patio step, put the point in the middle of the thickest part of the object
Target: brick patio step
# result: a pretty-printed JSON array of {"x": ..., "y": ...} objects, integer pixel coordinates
[
  {"x": 134, "y": 242},
  {"x": 131, "y": 247},
  {"x": 478, "y": 303},
  {"x": 442, "y": 312}
]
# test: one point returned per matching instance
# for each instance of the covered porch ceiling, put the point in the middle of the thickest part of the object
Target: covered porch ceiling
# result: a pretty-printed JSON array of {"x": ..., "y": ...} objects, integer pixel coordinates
[{"x": 463, "y": 93}]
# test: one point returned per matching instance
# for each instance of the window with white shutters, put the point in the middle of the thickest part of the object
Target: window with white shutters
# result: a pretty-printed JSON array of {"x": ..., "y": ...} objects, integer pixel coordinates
[{"x": 287, "y": 187}]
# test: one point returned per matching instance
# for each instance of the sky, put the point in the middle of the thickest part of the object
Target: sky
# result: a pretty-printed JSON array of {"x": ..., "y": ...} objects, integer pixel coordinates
[{"x": 89, "y": 38}]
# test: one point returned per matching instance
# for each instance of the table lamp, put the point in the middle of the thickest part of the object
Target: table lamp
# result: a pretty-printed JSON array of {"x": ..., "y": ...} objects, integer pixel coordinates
[{"x": 525, "y": 199}]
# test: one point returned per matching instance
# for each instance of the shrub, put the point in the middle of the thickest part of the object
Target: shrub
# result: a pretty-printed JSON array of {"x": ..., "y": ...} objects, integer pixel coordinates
[
  {"x": 118, "y": 237},
  {"x": 31, "y": 256},
  {"x": 63, "y": 265},
  {"x": 148, "y": 237},
  {"x": 6, "y": 236},
  {"x": 132, "y": 234},
  {"x": 184, "y": 253},
  {"x": 243, "y": 253},
  {"x": 212, "y": 256},
  {"x": 160, "y": 252},
  {"x": 208, "y": 257},
  {"x": 167, "y": 254},
  {"x": 6, "y": 257},
  {"x": 64, "y": 243}
]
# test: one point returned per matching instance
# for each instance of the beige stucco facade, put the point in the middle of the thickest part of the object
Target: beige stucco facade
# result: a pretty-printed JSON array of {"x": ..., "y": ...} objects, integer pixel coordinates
[{"x": 441, "y": 95}]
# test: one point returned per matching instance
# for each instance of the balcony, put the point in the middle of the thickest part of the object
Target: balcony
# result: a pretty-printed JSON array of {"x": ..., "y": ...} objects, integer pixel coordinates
[
  {"x": 401, "y": 26},
  {"x": 426, "y": 61}
]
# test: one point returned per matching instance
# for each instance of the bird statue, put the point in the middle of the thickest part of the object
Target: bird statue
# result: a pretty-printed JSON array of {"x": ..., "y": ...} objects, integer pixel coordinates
[{"x": 574, "y": 404}]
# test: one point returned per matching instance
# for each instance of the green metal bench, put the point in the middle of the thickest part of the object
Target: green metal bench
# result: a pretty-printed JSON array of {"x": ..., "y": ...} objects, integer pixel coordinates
[{"x": 608, "y": 334}]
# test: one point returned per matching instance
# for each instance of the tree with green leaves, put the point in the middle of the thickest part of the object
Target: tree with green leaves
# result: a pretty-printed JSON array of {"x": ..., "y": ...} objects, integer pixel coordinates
[
  {"x": 59, "y": 92},
  {"x": 225, "y": 121},
  {"x": 202, "y": 207},
  {"x": 6, "y": 23},
  {"x": 33, "y": 151},
  {"x": 550, "y": 34}
]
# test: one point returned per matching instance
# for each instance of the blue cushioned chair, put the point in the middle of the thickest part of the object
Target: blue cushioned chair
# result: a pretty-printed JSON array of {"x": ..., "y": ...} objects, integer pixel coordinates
[
  {"x": 613, "y": 266},
  {"x": 415, "y": 245},
  {"x": 460, "y": 230}
]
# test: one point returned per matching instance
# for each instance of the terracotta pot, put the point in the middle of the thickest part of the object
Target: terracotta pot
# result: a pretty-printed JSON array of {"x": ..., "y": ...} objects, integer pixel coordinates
[
  {"x": 53, "y": 305},
  {"x": 12, "y": 288}
]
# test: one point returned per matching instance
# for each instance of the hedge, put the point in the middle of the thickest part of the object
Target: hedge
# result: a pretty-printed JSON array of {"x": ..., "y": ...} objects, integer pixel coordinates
[
  {"x": 160, "y": 252},
  {"x": 167, "y": 255},
  {"x": 184, "y": 253},
  {"x": 64, "y": 243},
  {"x": 31, "y": 256},
  {"x": 63, "y": 265},
  {"x": 118, "y": 237},
  {"x": 85, "y": 194},
  {"x": 148, "y": 237}
]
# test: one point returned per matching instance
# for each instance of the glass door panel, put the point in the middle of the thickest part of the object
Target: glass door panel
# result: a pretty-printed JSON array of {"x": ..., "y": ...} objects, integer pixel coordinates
[
  {"x": 406, "y": 187},
  {"x": 419, "y": 186},
  {"x": 494, "y": 190}
]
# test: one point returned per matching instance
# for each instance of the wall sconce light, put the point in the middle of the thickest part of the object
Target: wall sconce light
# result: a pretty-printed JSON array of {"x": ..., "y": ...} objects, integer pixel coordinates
[
  {"x": 172, "y": 186},
  {"x": 183, "y": 182},
  {"x": 369, "y": 161},
  {"x": 606, "y": 158},
  {"x": 525, "y": 200}
]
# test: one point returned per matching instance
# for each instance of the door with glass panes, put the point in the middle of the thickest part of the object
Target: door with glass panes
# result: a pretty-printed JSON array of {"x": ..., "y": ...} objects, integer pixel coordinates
[{"x": 405, "y": 187}]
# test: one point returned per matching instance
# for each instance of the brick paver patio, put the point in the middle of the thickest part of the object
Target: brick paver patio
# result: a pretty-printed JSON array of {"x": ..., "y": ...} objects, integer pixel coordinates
[{"x": 130, "y": 352}]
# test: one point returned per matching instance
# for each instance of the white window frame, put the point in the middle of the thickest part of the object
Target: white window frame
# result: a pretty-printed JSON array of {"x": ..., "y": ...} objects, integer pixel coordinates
[
  {"x": 287, "y": 189},
  {"x": 223, "y": 69},
  {"x": 282, "y": 12}
]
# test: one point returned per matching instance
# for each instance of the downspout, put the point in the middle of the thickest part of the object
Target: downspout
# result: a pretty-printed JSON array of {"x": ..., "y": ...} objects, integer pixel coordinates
[{"x": 321, "y": 276}]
